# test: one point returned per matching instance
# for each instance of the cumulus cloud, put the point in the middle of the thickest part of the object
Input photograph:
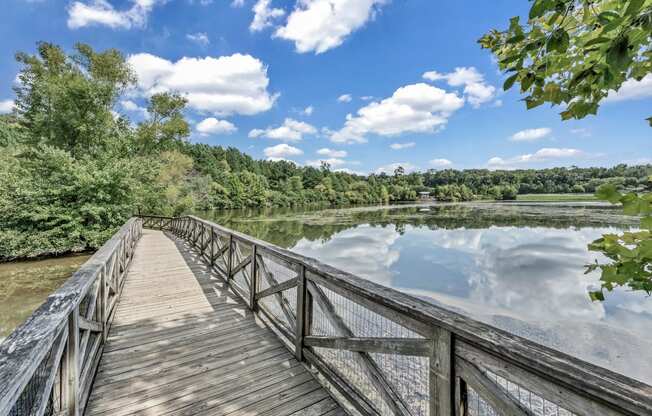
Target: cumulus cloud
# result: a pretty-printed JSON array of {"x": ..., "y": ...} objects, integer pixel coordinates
[
  {"x": 131, "y": 106},
  {"x": 199, "y": 37},
  {"x": 345, "y": 98},
  {"x": 390, "y": 168},
  {"x": 281, "y": 151},
  {"x": 531, "y": 135},
  {"x": 333, "y": 162},
  {"x": 290, "y": 131},
  {"x": 399, "y": 146},
  {"x": 541, "y": 155},
  {"x": 416, "y": 108},
  {"x": 632, "y": 90},
  {"x": 582, "y": 132},
  {"x": 308, "y": 111},
  {"x": 320, "y": 25},
  {"x": 234, "y": 84},
  {"x": 101, "y": 12},
  {"x": 6, "y": 106},
  {"x": 440, "y": 163},
  {"x": 237, "y": 3},
  {"x": 476, "y": 90},
  {"x": 211, "y": 125},
  {"x": 331, "y": 152},
  {"x": 264, "y": 15}
]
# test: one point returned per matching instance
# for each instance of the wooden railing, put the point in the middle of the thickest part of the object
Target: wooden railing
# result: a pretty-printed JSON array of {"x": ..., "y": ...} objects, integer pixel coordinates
[
  {"x": 383, "y": 352},
  {"x": 47, "y": 365}
]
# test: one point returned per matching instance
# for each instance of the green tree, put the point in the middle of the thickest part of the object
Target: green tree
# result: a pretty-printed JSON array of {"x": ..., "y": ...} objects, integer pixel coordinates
[
  {"x": 67, "y": 101},
  {"x": 573, "y": 52},
  {"x": 166, "y": 127}
]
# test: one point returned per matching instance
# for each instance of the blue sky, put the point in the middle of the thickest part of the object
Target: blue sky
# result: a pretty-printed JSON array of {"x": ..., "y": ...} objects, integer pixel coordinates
[{"x": 365, "y": 84}]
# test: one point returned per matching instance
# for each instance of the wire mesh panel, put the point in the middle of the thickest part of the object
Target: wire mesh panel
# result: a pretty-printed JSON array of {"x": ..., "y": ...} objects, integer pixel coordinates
[
  {"x": 273, "y": 272},
  {"x": 404, "y": 375}
]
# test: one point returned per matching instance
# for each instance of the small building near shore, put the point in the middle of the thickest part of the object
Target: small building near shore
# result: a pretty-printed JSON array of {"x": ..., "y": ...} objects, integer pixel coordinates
[{"x": 424, "y": 196}]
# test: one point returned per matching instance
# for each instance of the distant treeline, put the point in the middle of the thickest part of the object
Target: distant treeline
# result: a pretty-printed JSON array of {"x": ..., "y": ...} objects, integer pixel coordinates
[{"x": 72, "y": 170}]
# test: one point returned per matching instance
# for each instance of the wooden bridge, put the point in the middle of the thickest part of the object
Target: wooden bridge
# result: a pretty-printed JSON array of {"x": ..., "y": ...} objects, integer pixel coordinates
[{"x": 180, "y": 316}]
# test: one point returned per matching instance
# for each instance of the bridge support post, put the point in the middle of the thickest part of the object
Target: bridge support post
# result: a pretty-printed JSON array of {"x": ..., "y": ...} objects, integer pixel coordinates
[
  {"x": 254, "y": 278},
  {"x": 442, "y": 380},
  {"x": 302, "y": 322},
  {"x": 70, "y": 368},
  {"x": 229, "y": 266}
]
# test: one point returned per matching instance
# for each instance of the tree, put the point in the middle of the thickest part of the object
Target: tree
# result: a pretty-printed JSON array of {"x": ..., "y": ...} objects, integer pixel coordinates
[
  {"x": 574, "y": 52},
  {"x": 67, "y": 101},
  {"x": 166, "y": 127}
]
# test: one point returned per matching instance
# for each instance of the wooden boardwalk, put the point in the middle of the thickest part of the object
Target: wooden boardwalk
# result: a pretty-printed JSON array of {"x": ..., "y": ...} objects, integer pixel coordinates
[{"x": 182, "y": 343}]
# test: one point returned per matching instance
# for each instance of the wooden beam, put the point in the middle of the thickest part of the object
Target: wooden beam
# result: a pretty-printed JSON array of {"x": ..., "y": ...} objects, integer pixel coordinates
[
  {"x": 301, "y": 314},
  {"x": 441, "y": 380},
  {"x": 241, "y": 265},
  {"x": 403, "y": 346},
  {"x": 89, "y": 325},
  {"x": 283, "y": 302},
  {"x": 499, "y": 399},
  {"x": 288, "y": 284}
]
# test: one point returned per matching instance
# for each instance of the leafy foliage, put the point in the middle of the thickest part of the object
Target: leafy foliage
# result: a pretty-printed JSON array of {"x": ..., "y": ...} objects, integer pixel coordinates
[
  {"x": 631, "y": 252},
  {"x": 573, "y": 52}
]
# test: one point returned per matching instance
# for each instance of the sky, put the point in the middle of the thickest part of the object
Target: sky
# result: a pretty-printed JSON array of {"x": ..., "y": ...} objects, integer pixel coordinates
[{"x": 365, "y": 85}]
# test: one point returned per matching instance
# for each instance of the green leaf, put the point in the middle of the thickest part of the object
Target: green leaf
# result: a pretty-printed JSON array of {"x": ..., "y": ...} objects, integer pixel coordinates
[
  {"x": 618, "y": 53},
  {"x": 596, "y": 296},
  {"x": 510, "y": 81},
  {"x": 539, "y": 8},
  {"x": 595, "y": 41},
  {"x": 559, "y": 41},
  {"x": 649, "y": 119},
  {"x": 609, "y": 193},
  {"x": 633, "y": 7},
  {"x": 646, "y": 223}
]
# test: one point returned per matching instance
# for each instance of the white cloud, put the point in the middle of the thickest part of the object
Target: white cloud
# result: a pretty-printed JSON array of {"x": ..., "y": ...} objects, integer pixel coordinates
[
  {"x": 101, "y": 12},
  {"x": 390, "y": 168},
  {"x": 416, "y": 108},
  {"x": 199, "y": 37},
  {"x": 331, "y": 152},
  {"x": 308, "y": 110},
  {"x": 281, "y": 151},
  {"x": 530, "y": 135},
  {"x": 345, "y": 98},
  {"x": 333, "y": 162},
  {"x": 237, "y": 3},
  {"x": 131, "y": 106},
  {"x": 264, "y": 15},
  {"x": 320, "y": 25},
  {"x": 290, "y": 131},
  {"x": 6, "y": 106},
  {"x": 541, "y": 155},
  {"x": 212, "y": 125},
  {"x": 632, "y": 90},
  {"x": 440, "y": 163},
  {"x": 222, "y": 86},
  {"x": 476, "y": 90},
  {"x": 399, "y": 146},
  {"x": 367, "y": 97},
  {"x": 582, "y": 132}
]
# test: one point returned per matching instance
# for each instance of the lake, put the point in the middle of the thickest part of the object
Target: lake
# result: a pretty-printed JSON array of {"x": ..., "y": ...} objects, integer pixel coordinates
[
  {"x": 24, "y": 285},
  {"x": 519, "y": 267}
]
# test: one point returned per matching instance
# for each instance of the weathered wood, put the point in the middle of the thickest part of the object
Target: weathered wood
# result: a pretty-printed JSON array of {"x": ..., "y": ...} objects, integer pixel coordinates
[
  {"x": 70, "y": 367},
  {"x": 240, "y": 266},
  {"x": 501, "y": 401},
  {"x": 403, "y": 346},
  {"x": 282, "y": 301},
  {"x": 253, "y": 304},
  {"x": 301, "y": 314},
  {"x": 441, "y": 380},
  {"x": 387, "y": 392},
  {"x": 288, "y": 284},
  {"x": 89, "y": 325}
]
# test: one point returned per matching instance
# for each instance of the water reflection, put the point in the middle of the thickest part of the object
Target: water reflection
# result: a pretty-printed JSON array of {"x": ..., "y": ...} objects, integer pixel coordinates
[{"x": 517, "y": 267}]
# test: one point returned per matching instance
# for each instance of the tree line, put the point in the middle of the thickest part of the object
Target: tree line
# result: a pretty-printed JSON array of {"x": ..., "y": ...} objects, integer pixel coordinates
[{"x": 72, "y": 170}]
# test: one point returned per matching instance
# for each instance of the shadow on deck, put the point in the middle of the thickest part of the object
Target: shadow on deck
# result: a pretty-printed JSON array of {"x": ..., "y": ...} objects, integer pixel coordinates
[{"x": 182, "y": 343}]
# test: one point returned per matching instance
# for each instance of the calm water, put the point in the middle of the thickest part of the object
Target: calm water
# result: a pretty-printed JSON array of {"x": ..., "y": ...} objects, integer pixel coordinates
[
  {"x": 25, "y": 285},
  {"x": 517, "y": 267}
]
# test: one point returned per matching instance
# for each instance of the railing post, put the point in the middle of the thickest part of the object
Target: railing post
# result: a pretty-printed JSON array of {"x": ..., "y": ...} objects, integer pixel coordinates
[
  {"x": 70, "y": 367},
  {"x": 300, "y": 330},
  {"x": 212, "y": 248},
  {"x": 442, "y": 382},
  {"x": 461, "y": 399},
  {"x": 229, "y": 266},
  {"x": 201, "y": 239},
  {"x": 103, "y": 300},
  {"x": 254, "y": 279}
]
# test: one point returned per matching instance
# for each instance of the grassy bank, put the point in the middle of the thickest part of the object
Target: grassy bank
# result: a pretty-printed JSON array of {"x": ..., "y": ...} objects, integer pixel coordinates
[{"x": 555, "y": 197}]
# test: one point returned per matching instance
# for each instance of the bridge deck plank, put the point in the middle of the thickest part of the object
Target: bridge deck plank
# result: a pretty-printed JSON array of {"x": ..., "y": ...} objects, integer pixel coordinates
[{"x": 182, "y": 343}]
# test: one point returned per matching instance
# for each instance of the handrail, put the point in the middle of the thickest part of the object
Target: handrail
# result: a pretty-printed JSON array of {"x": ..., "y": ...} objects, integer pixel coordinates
[
  {"x": 48, "y": 363},
  {"x": 468, "y": 357}
]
